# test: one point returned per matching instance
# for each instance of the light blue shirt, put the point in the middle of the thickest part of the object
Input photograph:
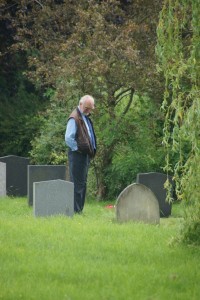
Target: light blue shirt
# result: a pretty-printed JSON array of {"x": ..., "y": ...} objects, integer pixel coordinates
[{"x": 71, "y": 133}]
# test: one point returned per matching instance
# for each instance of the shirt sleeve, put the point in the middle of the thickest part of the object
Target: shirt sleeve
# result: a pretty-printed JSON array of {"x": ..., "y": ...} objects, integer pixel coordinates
[{"x": 70, "y": 134}]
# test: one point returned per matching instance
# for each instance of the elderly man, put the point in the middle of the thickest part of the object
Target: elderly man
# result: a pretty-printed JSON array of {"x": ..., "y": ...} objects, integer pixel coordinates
[{"x": 81, "y": 140}]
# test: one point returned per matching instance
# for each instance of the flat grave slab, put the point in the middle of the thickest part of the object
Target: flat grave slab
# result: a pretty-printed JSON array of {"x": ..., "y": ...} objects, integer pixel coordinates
[{"x": 53, "y": 197}]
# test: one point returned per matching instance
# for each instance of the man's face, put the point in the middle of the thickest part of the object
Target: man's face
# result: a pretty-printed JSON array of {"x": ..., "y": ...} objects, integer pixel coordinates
[{"x": 87, "y": 107}]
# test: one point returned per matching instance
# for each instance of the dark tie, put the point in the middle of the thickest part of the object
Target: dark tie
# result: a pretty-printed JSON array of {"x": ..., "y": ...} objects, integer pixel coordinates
[{"x": 91, "y": 132}]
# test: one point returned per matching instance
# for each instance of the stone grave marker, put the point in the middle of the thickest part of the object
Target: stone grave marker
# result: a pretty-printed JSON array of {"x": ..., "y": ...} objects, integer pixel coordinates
[
  {"x": 53, "y": 197},
  {"x": 155, "y": 181},
  {"x": 16, "y": 174},
  {"x": 139, "y": 204},
  {"x": 2, "y": 179},
  {"x": 37, "y": 173}
]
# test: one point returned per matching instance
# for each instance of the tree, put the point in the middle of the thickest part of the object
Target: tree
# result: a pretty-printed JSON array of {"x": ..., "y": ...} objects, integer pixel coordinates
[
  {"x": 179, "y": 58},
  {"x": 105, "y": 48},
  {"x": 139, "y": 147}
]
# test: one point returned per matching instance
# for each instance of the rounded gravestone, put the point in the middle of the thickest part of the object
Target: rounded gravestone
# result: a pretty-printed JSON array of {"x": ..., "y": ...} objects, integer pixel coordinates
[{"x": 137, "y": 203}]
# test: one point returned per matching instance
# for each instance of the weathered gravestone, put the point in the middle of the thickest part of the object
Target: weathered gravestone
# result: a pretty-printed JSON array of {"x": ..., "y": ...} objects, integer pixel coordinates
[
  {"x": 39, "y": 173},
  {"x": 155, "y": 181},
  {"x": 16, "y": 174},
  {"x": 137, "y": 203},
  {"x": 53, "y": 197},
  {"x": 2, "y": 179}
]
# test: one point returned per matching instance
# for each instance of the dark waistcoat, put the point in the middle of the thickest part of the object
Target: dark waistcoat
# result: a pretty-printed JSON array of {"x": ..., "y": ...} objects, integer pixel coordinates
[{"x": 82, "y": 137}]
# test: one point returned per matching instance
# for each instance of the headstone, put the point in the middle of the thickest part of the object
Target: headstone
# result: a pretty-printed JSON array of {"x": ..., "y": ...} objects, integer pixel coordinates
[
  {"x": 2, "y": 179},
  {"x": 37, "y": 173},
  {"x": 53, "y": 197},
  {"x": 155, "y": 181},
  {"x": 137, "y": 203},
  {"x": 16, "y": 174}
]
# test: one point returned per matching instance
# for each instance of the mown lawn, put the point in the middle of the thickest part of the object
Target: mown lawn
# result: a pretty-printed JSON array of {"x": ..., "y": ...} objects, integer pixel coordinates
[{"x": 91, "y": 256}]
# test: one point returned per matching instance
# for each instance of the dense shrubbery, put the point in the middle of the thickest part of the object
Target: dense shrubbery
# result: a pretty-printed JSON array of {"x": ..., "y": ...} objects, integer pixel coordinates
[{"x": 139, "y": 148}]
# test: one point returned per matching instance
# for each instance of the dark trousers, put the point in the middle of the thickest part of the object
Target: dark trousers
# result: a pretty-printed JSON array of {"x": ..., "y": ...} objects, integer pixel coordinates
[{"x": 78, "y": 170}]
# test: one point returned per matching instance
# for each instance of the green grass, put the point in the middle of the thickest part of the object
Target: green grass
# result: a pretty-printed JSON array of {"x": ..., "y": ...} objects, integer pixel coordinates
[{"x": 91, "y": 256}]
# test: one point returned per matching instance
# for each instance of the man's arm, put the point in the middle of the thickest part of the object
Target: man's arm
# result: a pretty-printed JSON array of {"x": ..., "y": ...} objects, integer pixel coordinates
[{"x": 70, "y": 134}]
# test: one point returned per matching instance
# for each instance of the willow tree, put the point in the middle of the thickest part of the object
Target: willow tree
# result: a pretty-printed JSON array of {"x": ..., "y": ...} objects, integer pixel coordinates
[{"x": 178, "y": 51}]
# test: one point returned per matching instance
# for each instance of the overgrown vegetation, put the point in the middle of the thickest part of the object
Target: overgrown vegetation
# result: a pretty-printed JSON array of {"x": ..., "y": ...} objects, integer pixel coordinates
[{"x": 178, "y": 50}]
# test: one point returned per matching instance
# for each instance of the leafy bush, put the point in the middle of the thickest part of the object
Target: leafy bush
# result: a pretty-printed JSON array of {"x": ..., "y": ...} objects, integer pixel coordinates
[
  {"x": 49, "y": 147},
  {"x": 139, "y": 148}
]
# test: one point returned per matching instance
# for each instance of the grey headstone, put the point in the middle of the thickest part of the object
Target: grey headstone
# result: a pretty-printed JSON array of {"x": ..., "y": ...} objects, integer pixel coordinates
[
  {"x": 2, "y": 179},
  {"x": 137, "y": 203},
  {"x": 39, "y": 173},
  {"x": 16, "y": 174},
  {"x": 155, "y": 181},
  {"x": 53, "y": 197}
]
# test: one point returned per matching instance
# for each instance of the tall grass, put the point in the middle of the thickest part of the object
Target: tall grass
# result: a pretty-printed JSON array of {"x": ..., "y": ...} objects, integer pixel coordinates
[{"x": 91, "y": 256}]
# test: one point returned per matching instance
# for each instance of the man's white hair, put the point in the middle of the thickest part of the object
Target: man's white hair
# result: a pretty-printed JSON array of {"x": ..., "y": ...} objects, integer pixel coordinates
[{"x": 86, "y": 97}]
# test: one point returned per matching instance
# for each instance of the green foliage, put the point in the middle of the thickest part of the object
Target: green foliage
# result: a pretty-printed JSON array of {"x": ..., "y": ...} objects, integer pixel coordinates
[
  {"x": 133, "y": 144},
  {"x": 178, "y": 51},
  {"x": 48, "y": 147},
  {"x": 191, "y": 229},
  {"x": 104, "y": 48},
  {"x": 138, "y": 148}
]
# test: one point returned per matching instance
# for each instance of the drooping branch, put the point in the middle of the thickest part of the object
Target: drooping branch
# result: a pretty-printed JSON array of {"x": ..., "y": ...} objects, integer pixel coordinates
[
  {"x": 125, "y": 93},
  {"x": 39, "y": 3},
  {"x": 122, "y": 94},
  {"x": 130, "y": 101}
]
